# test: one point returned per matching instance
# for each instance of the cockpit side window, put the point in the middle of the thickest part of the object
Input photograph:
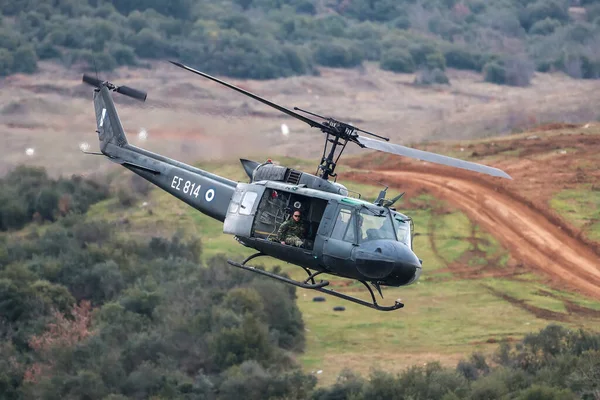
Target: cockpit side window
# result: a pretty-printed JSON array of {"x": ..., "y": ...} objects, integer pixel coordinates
[
  {"x": 344, "y": 226},
  {"x": 403, "y": 230}
]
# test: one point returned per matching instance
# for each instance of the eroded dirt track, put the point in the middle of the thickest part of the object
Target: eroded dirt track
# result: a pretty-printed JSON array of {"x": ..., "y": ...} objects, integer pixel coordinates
[{"x": 530, "y": 236}]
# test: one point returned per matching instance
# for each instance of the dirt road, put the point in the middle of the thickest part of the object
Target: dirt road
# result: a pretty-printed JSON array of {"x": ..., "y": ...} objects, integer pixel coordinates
[{"x": 526, "y": 232}]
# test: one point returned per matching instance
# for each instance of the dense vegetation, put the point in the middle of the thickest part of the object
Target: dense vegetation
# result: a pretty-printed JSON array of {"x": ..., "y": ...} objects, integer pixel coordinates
[
  {"x": 87, "y": 313},
  {"x": 553, "y": 364},
  {"x": 28, "y": 194},
  {"x": 505, "y": 40}
]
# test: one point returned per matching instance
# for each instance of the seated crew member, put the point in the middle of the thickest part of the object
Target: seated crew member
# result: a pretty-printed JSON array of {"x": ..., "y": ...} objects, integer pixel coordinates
[
  {"x": 292, "y": 231},
  {"x": 362, "y": 236}
]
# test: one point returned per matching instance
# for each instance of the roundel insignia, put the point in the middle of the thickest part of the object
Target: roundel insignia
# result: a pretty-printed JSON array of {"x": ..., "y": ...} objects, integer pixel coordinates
[{"x": 210, "y": 194}]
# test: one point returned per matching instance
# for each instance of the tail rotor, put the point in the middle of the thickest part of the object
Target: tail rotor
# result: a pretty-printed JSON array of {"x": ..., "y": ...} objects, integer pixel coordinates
[{"x": 124, "y": 90}]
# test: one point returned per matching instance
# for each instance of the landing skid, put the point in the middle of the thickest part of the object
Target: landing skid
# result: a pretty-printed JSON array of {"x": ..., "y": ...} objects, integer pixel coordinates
[{"x": 309, "y": 283}]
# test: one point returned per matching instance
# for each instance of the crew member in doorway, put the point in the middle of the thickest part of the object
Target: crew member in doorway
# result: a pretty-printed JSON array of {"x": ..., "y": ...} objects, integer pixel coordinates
[{"x": 292, "y": 231}]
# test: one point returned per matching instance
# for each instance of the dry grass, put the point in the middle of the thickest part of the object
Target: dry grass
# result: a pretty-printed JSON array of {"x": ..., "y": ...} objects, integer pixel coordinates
[{"x": 192, "y": 119}]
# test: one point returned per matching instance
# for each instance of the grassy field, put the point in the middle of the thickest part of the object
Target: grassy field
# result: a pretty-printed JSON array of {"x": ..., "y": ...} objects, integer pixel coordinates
[
  {"x": 582, "y": 207},
  {"x": 467, "y": 299}
]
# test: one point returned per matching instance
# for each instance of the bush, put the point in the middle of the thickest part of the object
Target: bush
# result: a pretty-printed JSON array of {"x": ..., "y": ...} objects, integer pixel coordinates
[
  {"x": 537, "y": 392},
  {"x": 6, "y": 62},
  {"x": 461, "y": 58},
  {"x": 513, "y": 71},
  {"x": 337, "y": 55},
  {"x": 127, "y": 197},
  {"x": 25, "y": 60},
  {"x": 435, "y": 60},
  {"x": 397, "y": 60},
  {"x": 545, "y": 27},
  {"x": 382, "y": 10},
  {"x": 148, "y": 44},
  {"x": 306, "y": 7},
  {"x": 9, "y": 40},
  {"x": 542, "y": 9},
  {"x": 47, "y": 204},
  {"x": 579, "y": 65},
  {"x": 427, "y": 76},
  {"x": 348, "y": 385},
  {"x": 47, "y": 50}
]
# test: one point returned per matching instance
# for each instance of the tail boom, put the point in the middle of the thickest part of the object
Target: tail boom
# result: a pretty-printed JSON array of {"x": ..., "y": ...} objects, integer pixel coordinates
[{"x": 206, "y": 192}]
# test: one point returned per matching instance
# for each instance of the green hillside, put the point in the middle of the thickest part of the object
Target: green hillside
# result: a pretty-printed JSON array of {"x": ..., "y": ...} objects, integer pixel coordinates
[
  {"x": 263, "y": 39},
  {"x": 127, "y": 295}
]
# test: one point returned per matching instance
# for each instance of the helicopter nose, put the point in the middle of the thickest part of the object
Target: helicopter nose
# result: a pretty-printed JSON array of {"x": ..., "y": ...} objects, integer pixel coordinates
[{"x": 389, "y": 261}]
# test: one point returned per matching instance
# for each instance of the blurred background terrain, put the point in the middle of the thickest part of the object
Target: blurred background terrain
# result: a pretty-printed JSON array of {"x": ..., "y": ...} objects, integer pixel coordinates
[{"x": 110, "y": 289}]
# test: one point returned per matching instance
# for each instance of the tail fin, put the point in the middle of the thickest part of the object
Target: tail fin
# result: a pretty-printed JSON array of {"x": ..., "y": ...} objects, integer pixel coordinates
[
  {"x": 109, "y": 126},
  {"x": 107, "y": 120}
]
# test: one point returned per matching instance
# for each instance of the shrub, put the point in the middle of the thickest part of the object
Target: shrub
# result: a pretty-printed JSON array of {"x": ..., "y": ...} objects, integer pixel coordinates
[
  {"x": 13, "y": 213},
  {"x": 435, "y": 60},
  {"x": 6, "y": 62},
  {"x": 9, "y": 40},
  {"x": 348, "y": 385},
  {"x": 127, "y": 197},
  {"x": 537, "y": 392},
  {"x": 545, "y": 27},
  {"x": 513, "y": 71},
  {"x": 461, "y": 58},
  {"x": 25, "y": 60},
  {"x": 428, "y": 76},
  {"x": 382, "y": 10},
  {"x": 148, "y": 44},
  {"x": 47, "y": 204},
  {"x": 397, "y": 60},
  {"x": 47, "y": 50},
  {"x": 542, "y": 9},
  {"x": 337, "y": 55}
]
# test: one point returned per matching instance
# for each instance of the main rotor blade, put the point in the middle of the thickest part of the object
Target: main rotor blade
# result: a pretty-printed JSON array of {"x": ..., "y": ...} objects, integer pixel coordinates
[
  {"x": 431, "y": 157},
  {"x": 289, "y": 112}
]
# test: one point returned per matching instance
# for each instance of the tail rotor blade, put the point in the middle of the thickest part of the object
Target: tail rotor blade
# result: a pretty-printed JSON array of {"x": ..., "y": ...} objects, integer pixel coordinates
[
  {"x": 124, "y": 90},
  {"x": 90, "y": 80},
  {"x": 131, "y": 92}
]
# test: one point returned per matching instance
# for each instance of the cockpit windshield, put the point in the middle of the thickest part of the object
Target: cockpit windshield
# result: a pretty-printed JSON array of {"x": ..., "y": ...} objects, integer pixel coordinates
[{"x": 372, "y": 226}]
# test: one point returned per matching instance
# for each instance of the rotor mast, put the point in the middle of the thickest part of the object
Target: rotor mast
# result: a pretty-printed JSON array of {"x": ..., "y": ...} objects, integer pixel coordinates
[{"x": 338, "y": 134}]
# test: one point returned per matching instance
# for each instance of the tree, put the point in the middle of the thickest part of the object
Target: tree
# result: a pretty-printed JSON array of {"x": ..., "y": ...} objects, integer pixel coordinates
[
  {"x": 542, "y": 9},
  {"x": 47, "y": 204},
  {"x": 545, "y": 26},
  {"x": 461, "y": 58},
  {"x": 25, "y": 59},
  {"x": 61, "y": 332},
  {"x": 336, "y": 54},
  {"x": 6, "y": 62}
]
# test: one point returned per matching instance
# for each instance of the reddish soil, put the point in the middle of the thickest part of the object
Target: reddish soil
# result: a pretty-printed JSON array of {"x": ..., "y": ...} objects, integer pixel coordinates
[{"x": 515, "y": 212}]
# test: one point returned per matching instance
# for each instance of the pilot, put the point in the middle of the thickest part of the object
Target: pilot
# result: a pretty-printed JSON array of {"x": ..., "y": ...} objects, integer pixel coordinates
[
  {"x": 362, "y": 236},
  {"x": 292, "y": 231}
]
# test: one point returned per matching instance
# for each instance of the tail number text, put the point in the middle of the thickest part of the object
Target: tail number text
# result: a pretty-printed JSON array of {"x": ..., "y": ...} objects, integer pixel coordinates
[{"x": 185, "y": 186}]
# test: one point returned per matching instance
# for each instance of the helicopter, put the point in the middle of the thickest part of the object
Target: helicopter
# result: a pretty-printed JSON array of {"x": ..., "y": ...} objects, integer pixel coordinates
[{"x": 346, "y": 236}]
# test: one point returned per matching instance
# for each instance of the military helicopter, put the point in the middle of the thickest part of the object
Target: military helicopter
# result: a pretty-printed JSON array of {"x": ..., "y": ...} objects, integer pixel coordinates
[{"x": 345, "y": 236}]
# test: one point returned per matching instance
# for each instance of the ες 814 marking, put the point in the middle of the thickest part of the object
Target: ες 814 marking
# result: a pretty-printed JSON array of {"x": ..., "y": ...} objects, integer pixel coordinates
[{"x": 188, "y": 187}]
